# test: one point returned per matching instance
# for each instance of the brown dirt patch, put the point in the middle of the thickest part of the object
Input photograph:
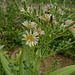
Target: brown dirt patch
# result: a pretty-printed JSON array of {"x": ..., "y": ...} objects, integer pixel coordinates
[{"x": 62, "y": 62}]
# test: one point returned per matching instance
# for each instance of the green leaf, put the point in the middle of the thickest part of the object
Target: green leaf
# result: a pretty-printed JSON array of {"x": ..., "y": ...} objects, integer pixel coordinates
[
  {"x": 24, "y": 57},
  {"x": 64, "y": 71},
  {"x": 5, "y": 64}
]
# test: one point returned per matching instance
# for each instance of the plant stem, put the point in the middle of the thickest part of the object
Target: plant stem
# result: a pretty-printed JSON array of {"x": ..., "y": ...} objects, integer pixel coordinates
[
  {"x": 36, "y": 67},
  {"x": 24, "y": 57}
]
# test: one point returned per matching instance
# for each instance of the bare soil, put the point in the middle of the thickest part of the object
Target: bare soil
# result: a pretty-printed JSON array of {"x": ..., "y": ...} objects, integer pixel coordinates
[{"x": 62, "y": 62}]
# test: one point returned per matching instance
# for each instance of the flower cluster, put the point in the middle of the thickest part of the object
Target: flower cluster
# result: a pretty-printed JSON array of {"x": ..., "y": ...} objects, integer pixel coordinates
[
  {"x": 51, "y": 18},
  {"x": 32, "y": 36},
  {"x": 51, "y": 14}
]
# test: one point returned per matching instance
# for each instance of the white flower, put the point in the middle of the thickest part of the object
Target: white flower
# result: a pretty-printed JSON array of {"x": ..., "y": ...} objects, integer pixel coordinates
[
  {"x": 47, "y": 17},
  {"x": 29, "y": 24},
  {"x": 68, "y": 22},
  {"x": 47, "y": 7},
  {"x": 39, "y": 31},
  {"x": 32, "y": 39}
]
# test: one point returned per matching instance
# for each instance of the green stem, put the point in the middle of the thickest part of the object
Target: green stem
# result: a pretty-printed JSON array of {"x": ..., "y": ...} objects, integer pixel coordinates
[
  {"x": 36, "y": 67},
  {"x": 24, "y": 57},
  {"x": 33, "y": 52}
]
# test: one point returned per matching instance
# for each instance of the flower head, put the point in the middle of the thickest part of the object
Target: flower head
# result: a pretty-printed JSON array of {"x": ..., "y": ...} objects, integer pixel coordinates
[
  {"x": 68, "y": 22},
  {"x": 47, "y": 18},
  {"x": 31, "y": 38},
  {"x": 39, "y": 31},
  {"x": 29, "y": 24},
  {"x": 47, "y": 7}
]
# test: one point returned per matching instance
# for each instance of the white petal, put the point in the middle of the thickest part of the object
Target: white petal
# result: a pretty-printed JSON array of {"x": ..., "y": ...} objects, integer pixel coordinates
[
  {"x": 24, "y": 39},
  {"x": 27, "y": 42},
  {"x": 24, "y": 35},
  {"x": 27, "y": 32}
]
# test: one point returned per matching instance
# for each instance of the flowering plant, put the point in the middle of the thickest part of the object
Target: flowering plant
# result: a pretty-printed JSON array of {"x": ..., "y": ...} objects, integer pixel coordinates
[{"x": 41, "y": 29}]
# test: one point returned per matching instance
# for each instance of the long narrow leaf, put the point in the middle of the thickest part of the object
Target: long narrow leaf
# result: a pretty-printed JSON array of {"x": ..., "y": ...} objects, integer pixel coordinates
[
  {"x": 5, "y": 64},
  {"x": 64, "y": 71},
  {"x": 23, "y": 57}
]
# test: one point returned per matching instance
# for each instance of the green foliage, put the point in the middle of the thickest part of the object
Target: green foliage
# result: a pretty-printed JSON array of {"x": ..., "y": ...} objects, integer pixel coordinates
[
  {"x": 40, "y": 51},
  {"x": 15, "y": 58},
  {"x": 10, "y": 28},
  {"x": 2, "y": 72},
  {"x": 47, "y": 1},
  {"x": 10, "y": 70},
  {"x": 52, "y": 38},
  {"x": 64, "y": 71}
]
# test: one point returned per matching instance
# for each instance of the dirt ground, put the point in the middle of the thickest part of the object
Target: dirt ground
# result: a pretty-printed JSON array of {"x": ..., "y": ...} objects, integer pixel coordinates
[{"x": 62, "y": 62}]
